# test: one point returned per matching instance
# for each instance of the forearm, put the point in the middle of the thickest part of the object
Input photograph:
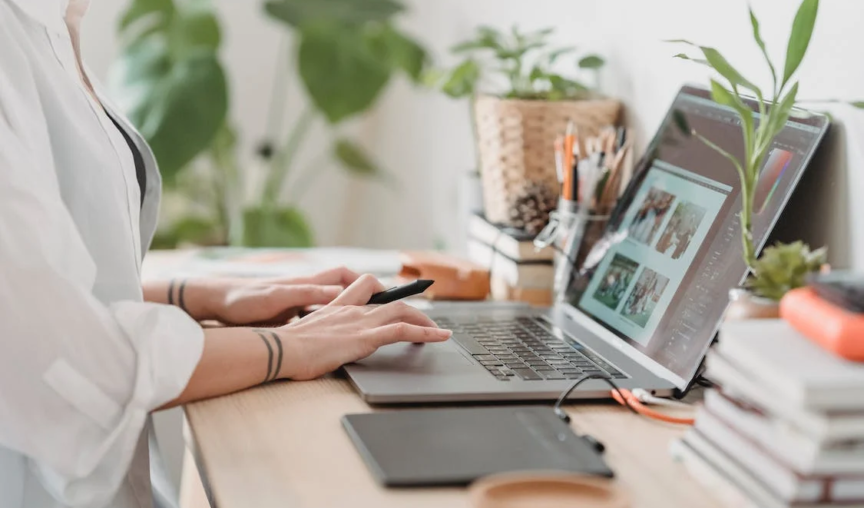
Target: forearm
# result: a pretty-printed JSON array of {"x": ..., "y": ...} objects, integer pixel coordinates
[{"x": 235, "y": 359}]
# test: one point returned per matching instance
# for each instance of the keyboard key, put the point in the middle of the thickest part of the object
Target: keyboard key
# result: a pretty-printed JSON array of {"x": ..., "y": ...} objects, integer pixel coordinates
[
  {"x": 486, "y": 358},
  {"x": 552, "y": 375},
  {"x": 541, "y": 368},
  {"x": 492, "y": 363},
  {"x": 527, "y": 374},
  {"x": 515, "y": 365}
]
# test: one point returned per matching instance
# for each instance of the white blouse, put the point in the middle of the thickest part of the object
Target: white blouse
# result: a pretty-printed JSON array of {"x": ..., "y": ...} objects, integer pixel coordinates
[{"x": 83, "y": 360}]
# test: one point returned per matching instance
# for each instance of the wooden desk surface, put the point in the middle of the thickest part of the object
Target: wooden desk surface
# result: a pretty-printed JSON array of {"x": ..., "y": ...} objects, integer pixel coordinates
[{"x": 283, "y": 445}]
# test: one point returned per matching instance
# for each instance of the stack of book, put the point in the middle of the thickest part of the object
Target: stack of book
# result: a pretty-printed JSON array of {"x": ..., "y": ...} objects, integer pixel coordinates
[
  {"x": 518, "y": 271},
  {"x": 786, "y": 428}
]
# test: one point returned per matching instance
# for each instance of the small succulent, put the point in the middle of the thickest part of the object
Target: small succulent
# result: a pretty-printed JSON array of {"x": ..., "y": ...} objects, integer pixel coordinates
[{"x": 784, "y": 267}]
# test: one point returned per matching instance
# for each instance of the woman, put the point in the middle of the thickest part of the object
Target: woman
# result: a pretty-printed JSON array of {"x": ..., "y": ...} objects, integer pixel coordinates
[{"x": 85, "y": 353}]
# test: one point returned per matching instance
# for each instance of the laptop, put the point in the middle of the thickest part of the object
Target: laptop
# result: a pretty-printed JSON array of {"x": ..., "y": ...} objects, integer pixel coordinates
[{"x": 648, "y": 301}]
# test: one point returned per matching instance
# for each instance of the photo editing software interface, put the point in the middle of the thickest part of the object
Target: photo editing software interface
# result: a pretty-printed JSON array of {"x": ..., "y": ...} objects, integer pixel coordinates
[{"x": 673, "y": 247}]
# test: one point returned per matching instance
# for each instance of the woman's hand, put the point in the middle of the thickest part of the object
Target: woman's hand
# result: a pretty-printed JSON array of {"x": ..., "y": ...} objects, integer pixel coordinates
[
  {"x": 251, "y": 301},
  {"x": 347, "y": 330}
]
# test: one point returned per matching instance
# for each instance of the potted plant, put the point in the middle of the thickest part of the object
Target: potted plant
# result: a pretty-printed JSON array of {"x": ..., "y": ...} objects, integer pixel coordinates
[
  {"x": 782, "y": 267},
  {"x": 171, "y": 83},
  {"x": 519, "y": 105}
]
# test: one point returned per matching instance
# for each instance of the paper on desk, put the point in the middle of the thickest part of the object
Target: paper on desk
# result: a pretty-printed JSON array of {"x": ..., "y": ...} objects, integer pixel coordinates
[{"x": 248, "y": 262}]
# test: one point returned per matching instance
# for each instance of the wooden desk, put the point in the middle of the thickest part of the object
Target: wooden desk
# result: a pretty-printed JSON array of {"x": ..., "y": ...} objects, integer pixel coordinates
[{"x": 283, "y": 446}]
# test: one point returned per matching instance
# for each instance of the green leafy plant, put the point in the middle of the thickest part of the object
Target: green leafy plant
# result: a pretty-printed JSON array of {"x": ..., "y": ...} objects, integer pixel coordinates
[
  {"x": 170, "y": 82},
  {"x": 784, "y": 267},
  {"x": 168, "y": 77},
  {"x": 346, "y": 52},
  {"x": 774, "y": 109},
  {"x": 515, "y": 65}
]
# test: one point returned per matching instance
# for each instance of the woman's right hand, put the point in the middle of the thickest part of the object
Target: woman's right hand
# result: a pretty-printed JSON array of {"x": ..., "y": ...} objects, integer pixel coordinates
[{"x": 348, "y": 330}]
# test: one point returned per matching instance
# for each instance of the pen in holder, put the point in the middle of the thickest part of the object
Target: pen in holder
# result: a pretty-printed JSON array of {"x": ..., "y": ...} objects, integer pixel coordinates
[{"x": 572, "y": 232}]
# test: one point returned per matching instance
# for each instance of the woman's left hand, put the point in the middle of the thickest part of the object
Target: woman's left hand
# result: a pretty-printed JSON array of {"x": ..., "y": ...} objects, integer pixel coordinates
[{"x": 262, "y": 301}]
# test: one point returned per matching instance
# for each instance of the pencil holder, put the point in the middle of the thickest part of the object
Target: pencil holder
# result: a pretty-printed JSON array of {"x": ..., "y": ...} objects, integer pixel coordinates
[{"x": 573, "y": 232}]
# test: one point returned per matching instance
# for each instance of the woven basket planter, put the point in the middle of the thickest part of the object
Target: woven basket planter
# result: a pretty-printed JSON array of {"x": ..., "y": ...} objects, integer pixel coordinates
[{"x": 516, "y": 142}]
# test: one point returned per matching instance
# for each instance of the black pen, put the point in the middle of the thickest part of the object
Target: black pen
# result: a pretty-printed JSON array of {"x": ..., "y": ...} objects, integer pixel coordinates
[{"x": 399, "y": 292}]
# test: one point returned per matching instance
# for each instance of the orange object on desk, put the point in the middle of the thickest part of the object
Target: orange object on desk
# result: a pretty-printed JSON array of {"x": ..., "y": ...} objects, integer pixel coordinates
[
  {"x": 834, "y": 328},
  {"x": 455, "y": 278}
]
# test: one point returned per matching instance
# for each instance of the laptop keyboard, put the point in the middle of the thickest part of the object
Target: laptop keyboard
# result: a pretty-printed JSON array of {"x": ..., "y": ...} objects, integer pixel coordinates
[{"x": 523, "y": 348}]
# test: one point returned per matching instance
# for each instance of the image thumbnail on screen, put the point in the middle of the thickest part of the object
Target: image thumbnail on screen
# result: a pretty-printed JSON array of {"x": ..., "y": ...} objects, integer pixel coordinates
[
  {"x": 644, "y": 297},
  {"x": 679, "y": 232},
  {"x": 650, "y": 216},
  {"x": 615, "y": 281}
]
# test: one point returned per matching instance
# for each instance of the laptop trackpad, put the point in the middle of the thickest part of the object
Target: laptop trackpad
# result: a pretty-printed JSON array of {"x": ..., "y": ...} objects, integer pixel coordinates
[{"x": 443, "y": 357}]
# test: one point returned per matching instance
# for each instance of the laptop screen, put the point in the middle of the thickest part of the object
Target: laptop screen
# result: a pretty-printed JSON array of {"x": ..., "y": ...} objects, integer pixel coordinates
[{"x": 672, "y": 250}]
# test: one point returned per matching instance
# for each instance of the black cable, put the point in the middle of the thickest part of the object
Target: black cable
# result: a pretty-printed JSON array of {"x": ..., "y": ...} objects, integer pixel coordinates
[{"x": 563, "y": 415}]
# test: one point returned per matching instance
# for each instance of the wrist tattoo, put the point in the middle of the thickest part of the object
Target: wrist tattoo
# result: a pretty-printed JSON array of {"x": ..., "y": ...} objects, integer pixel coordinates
[
  {"x": 269, "y": 356},
  {"x": 274, "y": 361},
  {"x": 171, "y": 292},
  {"x": 278, "y": 341},
  {"x": 180, "y": 302}
]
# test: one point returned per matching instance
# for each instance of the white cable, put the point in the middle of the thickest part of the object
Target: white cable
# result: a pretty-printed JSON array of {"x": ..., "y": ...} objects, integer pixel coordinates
[{"x": 646, "y": 398}]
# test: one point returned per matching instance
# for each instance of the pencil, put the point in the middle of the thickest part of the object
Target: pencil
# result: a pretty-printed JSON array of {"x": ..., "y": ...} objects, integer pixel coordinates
[{"x": 568, "y": 161}]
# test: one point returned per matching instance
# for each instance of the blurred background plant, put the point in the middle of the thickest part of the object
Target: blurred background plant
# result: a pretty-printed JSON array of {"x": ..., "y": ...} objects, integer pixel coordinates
[
  {"x": 169, "y": 79},
  {"x": 515, "y": 65}
]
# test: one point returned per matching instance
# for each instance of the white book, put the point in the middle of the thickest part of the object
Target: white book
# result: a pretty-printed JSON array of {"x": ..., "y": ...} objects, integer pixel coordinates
[
  {"x": 785, "y": 482},
  {"x": 792, "y": 367},
  {"x": 724, "y": 478},
  {"x": 783, "y": 440},
  {"x": 819, "y": 426},
  {"x": 514, "y": 244},
  {"x": 528, "y": 275}
]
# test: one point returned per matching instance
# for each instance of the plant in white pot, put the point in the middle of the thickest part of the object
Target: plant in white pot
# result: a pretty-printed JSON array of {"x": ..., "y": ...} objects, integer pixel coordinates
[
  {"x": 520, "y": 104},
  {"x": 782, "y": 267}
]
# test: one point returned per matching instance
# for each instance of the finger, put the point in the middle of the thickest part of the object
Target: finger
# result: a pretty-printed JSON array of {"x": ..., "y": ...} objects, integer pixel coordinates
[
  {"x": 359, "y": 292},
  {"x": 404, "y": 332},
  {"x": 401, "y": 312},
  {"x": 304, "y": 295},
  {"x": 336, "y": 276}
]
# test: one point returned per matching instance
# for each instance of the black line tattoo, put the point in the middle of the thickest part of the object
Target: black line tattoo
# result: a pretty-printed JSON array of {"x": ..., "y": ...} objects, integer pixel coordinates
[
  {"x": 278, "y": 343},
  {"x": 171, "y": 291},
  {"x": 269, "y": 356},
  {"x": 180, "y": 302}
]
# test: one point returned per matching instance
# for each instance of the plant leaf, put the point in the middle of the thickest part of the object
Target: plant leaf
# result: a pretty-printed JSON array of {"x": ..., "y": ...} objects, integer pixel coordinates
[
  {"x": 354, "y": 158},
  {"x": 725, "y": 69},
  {"x": 857, "y": 104},
  {"x": 591, "y": 62},
  {"x": 301, "y": 13},
  {"x": 341, "y": 70},
  {"x": 684, "y": 56},
  {"x": 487, "y": 38},
  {"x": 462, "y": 80},
  {"x": 757, "y": 36},
  {"x": 555, "y": 54},
  {"x": 401, "y": 51},
  {"x": 799, "y": 38},
  {"x": 276, "y": 227},
  {"x": 169, "y": 81}
]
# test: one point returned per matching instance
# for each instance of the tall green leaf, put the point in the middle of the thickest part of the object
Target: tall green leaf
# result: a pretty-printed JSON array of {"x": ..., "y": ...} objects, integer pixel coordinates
[
  {"x": 341, "y": 70},
  {"x": 354, "y": 158},
  {"x": 300, "y": 13},
  {"x": 757, "y": 36},
  {"x": 799, "y": 39},
  {"x": 725, "y": 69}
]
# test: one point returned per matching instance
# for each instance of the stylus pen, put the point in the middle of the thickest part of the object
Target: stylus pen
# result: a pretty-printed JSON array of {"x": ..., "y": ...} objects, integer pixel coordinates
[{"x": 391, "y": 295}]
